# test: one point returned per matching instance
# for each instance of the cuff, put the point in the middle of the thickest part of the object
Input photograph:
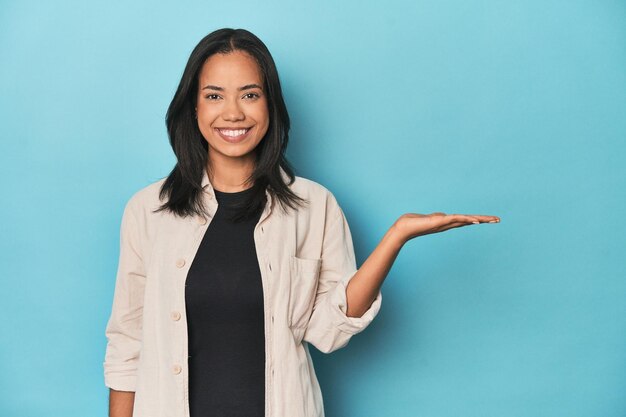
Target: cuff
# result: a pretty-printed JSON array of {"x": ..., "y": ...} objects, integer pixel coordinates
[
  {"x": 120, "y": 378},
  {"x": 339, "y": 308}
]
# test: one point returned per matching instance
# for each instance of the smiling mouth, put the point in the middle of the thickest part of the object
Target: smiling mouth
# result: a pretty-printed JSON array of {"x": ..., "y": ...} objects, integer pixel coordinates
[{"x": 233, "y": 135}]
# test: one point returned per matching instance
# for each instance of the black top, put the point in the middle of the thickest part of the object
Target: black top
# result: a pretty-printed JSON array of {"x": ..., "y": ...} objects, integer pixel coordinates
[{"x": 224, "y": 302}]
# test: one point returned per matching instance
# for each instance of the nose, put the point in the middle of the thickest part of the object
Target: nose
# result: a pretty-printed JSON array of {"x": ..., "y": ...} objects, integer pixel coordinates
[{"x": 232, "y": 111}]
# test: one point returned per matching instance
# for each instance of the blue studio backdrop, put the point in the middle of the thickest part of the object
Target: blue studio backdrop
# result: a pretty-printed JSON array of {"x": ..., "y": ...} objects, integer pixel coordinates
[{"x": 515, "y": 108}]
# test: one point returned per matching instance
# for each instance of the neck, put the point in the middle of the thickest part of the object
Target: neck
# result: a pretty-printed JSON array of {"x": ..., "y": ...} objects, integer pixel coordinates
[{"x": 229, "y": 174}]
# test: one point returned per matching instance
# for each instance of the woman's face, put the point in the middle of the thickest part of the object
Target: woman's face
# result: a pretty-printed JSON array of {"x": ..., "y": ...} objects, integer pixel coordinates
[{"x": 232, "y": 108}]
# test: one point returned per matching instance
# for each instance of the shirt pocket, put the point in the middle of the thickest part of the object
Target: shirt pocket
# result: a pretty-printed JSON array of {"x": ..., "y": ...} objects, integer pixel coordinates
[{"x": 302, "y": 290}]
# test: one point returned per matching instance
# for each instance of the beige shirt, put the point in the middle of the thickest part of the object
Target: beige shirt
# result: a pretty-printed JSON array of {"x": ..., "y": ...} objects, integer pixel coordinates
[{"x": 306, "y": 258}]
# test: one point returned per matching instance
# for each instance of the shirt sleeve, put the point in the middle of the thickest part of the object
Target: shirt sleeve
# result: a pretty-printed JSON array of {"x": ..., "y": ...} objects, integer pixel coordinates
[
  {"x": 124, "y": 327},
  {"x": 329, "y": 327}
]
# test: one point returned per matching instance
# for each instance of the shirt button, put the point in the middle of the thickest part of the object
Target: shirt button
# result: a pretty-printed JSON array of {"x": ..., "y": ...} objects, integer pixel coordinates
[
  {"x": 180, "y": 263},
  {"x": 270, "y": 266},
  {"x": 175, "y": 315},
  {"x": 262, "y": 229},
  {"x": 176, "y": 369},
  {"x": 202, "y": 221}
]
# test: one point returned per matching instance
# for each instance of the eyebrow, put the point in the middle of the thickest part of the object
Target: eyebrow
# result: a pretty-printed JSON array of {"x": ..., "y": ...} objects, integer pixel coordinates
[{"x": 245, "y": 87}]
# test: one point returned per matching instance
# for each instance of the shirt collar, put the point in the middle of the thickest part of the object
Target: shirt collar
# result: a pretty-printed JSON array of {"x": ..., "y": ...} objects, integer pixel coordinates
[{"x": 208, "y": 187}]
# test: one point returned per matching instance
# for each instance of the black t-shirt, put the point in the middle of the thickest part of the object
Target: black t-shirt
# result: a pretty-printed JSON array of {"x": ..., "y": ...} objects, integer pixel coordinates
[{"x": 224, "y": 303}]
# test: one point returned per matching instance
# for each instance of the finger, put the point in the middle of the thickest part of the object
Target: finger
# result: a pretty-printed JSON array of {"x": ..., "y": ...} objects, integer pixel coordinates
[
  {"x": 463, "y": 218},
  {"x": 453, "y": 226},
  {"x": 482, "y": 218},
  {"x": 485, "y": 218}
]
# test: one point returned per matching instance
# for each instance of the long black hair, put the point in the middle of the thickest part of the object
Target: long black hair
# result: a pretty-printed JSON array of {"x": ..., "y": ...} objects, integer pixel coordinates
[{"x": 183, "y": 186}]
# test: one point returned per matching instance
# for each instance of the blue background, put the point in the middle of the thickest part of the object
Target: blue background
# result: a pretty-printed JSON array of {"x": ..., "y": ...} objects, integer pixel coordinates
[{"x": 510, "y": 108}]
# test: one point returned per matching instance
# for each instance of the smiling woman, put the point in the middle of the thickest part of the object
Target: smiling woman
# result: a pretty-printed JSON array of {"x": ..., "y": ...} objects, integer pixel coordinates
[
  {"x": 232, "y": 266},
  {"x": 230, "y": 84},
  {"x": 232, "y": 110}
]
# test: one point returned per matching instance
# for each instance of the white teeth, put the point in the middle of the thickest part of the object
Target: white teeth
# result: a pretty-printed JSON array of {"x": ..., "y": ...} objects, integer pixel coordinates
[{"x": 233, "y": 133}]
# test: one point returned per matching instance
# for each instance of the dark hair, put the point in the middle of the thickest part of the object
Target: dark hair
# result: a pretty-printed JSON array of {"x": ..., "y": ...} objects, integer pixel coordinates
[{"x": 183, "y": 186}]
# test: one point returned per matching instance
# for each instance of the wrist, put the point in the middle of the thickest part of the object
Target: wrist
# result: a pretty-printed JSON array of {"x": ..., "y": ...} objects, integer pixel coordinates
[{"x": 395, "y": 236}]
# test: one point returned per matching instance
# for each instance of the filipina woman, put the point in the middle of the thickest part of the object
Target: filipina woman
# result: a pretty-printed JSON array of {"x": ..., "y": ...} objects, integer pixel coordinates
[{"x": 232, "y": 266}]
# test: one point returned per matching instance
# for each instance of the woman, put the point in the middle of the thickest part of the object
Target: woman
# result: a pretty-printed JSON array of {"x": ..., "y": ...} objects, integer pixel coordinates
[{"x": 232, "y": 265}]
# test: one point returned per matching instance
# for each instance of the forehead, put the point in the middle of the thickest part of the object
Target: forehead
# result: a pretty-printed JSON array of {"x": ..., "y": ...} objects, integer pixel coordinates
[{"x": 233, "y": 69}]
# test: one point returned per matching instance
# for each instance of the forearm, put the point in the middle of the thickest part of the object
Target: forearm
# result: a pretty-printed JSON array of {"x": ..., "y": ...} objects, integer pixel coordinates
[
  {"x": 121, "y": 403},
  {"x": 366, "y": 282}
]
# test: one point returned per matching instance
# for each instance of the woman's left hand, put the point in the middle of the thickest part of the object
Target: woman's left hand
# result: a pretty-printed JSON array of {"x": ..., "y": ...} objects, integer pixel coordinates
[
  {"x": 365, "y": 284},
  {"x": 412, "y": 225}
]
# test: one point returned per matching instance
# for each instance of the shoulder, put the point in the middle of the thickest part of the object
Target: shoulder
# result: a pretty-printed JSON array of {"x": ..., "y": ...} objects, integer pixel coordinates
[
  {"x": 310, "y": 189},
  {"x": 145, "y": 199},
  {"x": 318, "y": 195}
]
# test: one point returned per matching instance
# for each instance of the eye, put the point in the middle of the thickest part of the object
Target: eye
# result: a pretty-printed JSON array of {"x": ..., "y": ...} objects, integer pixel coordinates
[
  {"x": 251, "y": 96},
  {"x": 212, "y": 96}
]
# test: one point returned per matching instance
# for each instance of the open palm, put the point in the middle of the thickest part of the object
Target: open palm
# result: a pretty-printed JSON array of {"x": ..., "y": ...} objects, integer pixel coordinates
[{"x": 412, "y": 225}]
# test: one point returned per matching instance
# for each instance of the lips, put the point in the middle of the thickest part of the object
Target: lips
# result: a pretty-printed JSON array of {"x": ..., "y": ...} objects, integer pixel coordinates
[{"x": 233, "y": 135}]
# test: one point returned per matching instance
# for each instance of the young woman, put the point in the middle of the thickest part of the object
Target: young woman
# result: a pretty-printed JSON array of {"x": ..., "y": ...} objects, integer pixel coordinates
[{"x": 231, "y": 265}]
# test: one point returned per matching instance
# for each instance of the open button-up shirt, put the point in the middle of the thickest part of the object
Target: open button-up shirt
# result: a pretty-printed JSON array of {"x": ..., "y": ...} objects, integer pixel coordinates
[{"x": 306, "y": 258}]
